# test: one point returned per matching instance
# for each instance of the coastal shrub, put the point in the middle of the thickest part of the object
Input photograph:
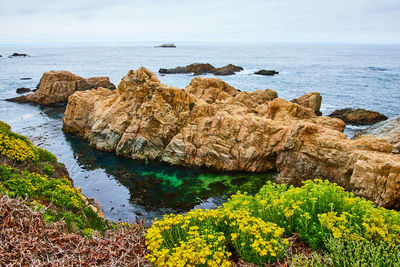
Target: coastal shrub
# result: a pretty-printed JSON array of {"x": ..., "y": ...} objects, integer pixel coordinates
[
  {"x": 254, "y": 227},
  {"x": 319, "y": 210},
  {"x": 314, "y": 259},
  {"x": 48, "y": 169},
  {"x": 46, "y": 156},
  {"x": 68, "y": 203},
  {"x": 17, "y": 147},
  {"x": 362, "y": 253},
  {"x": 201, "y": 238}
]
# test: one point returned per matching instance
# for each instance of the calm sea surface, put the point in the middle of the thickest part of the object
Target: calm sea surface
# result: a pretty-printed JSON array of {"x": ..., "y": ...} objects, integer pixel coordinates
[{"x": 357, "y": 76}]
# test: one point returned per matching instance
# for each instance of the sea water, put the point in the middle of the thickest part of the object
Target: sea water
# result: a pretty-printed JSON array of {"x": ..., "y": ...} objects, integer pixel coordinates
[{"x": 355, "y": 76}]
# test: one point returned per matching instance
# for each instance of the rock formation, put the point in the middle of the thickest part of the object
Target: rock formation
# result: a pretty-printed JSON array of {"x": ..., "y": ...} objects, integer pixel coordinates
[
  {"x": 266, "y": 72},
  {"x": 388, "y": 130},
  {"x": 311, "y": 100},
  {"x": 56, "y": 86},
  {"x": 358, "y": 116},
  {"x": 211, "y": 124},
  {"x": 201, "y": 68}
]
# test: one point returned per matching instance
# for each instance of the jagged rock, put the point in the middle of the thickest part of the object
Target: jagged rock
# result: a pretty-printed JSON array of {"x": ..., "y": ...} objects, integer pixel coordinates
[
  {"x": 311, "y": 100},
  {"x": 203, "y": 68},
  {"x": 56, "y": 86},
  {"x": 388, "y": 130},
  {"x": 358, "y": 116},
  {"x": 211, "y": 124},
  {"x": 266, "y": 72},
  {"x": 23, "y": 90}
]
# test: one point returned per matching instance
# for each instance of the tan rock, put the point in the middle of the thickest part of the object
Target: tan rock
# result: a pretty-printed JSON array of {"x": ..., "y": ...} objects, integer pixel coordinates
[
  {"x": 56, "y": 86},
  {"x": 311, "y": 100},
  {"x": 212, "y": 124}
]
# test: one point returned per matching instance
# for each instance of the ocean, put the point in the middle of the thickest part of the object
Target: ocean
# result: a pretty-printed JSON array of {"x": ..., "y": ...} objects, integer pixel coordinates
[{"x": 355, "y": 76}]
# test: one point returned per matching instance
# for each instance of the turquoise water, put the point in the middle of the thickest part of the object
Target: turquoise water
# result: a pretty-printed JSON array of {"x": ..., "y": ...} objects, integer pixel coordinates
[{"x": 358, "y": 76}]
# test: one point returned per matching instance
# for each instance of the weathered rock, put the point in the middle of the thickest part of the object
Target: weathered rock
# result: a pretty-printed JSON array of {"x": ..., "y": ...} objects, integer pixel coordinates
[
  {"x": 56, "y": 86},
  {"x": 311, "y": 100},
  {"x": 211, "y": 124},
  {"x": 23, "y": 90},
  {"x": 388, "y": 130},
  {"x": 266, "y": 72},
  {"x": 203, "y": 68},
  {"x": 358, "y": 116},
  {"x": 227, "y": 70}
]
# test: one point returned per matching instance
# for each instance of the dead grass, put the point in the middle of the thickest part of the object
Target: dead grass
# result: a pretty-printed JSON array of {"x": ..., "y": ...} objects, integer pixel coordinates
[{"x": 26, "y": 240}]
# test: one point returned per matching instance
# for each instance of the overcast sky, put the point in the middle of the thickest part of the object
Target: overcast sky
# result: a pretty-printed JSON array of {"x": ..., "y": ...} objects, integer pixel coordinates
[{"x": 343, "y": 21}]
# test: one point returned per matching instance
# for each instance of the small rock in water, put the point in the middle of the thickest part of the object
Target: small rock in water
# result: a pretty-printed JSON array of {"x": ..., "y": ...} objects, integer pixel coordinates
[
  {"x": 266, "y": 72},
  {"x": 19, "y": 55},
  {"x": 23, "y": 90},
  {"x": 26, "y": 79},
  {"x": 358, "y": 116},
  {"x": 167, "y": 46}
]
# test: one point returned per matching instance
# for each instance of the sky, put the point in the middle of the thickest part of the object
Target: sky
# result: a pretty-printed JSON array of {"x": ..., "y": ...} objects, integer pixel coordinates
[{"x": 75, "y": 21}]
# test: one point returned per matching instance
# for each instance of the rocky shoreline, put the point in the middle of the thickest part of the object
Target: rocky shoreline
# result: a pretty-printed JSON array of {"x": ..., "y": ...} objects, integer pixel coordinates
[{"x": 212, "y": 124}]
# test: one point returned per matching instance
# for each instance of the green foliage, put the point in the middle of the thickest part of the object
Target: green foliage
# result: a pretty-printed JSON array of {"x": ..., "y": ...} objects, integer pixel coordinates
[
  {"x": 48, "y": 169},
  {"x": 362, "y": 253},
  {"x": 253, "y": 227},
  {"x": 201, "y": 238},
  {"x": 315, "y": 259},
  {"x": 45, "y": 156},
  {"x": 18, "y": 148},
  {"x": 5, "y": 172},
  {"x": 59, "y": 192},
  {"x": 319, "y": 210}
]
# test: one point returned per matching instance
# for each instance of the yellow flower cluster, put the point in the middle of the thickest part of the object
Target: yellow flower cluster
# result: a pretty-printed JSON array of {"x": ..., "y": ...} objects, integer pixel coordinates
[
  {"x": 15, "y": 148},
  {"x": 200, "y": 238}
]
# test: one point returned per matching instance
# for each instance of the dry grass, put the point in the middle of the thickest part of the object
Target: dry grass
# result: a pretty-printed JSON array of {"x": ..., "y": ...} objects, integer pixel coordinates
[{"x": 26, "y": 240}]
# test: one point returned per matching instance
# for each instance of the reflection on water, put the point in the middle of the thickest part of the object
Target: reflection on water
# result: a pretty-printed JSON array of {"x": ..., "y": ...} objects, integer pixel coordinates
[{"x": 155, "y": 185}]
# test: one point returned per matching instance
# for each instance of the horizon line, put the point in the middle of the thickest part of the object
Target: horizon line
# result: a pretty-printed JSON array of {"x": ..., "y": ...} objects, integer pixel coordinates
[{"x": 158, "y": 42}]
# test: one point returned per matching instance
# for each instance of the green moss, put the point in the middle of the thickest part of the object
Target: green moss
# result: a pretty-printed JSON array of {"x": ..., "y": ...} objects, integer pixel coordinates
[{"x": 191, "y": 106}]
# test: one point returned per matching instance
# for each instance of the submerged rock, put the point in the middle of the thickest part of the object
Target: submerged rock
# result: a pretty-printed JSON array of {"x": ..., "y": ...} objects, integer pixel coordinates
[
  {"x": 358, "y": 116},
  {"x": 266, "y": 72},
  {"x": 311, "y": 100},
  {"x": 56, "y": 86},
  {"x": 203, "y": 68},
  {"x": 211, "y": 124},
  {"x": 23, "y": 90}
]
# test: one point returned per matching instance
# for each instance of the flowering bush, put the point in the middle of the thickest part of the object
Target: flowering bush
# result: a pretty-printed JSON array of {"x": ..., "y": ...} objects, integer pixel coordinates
[
  {"x": 319, "y": 210},
  {"x": 69, "y": 203},
  {"x": 19, "y": 148},
  {"x": 254, "y": 226},
  {"x": 201, "y": 237}
]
